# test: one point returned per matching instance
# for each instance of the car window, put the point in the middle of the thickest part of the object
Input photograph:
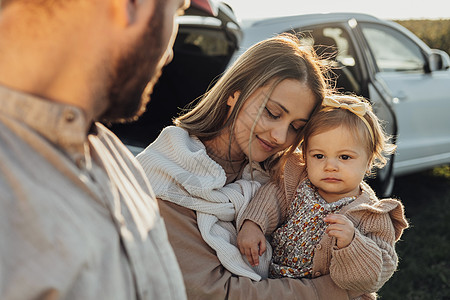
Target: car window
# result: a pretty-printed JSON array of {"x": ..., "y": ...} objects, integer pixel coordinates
[
  {"x": 333, "y": 43},
  {"x": 206, "y": 42},
  {"x": 392, "y": 50}
]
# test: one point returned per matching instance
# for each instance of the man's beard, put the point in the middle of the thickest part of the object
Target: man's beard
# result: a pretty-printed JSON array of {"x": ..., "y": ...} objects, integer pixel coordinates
[{"x": 132, "y": 82}]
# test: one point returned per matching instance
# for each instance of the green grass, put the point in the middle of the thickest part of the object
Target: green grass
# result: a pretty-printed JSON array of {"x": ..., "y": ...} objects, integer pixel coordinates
[{"x": 424, "y": 249}]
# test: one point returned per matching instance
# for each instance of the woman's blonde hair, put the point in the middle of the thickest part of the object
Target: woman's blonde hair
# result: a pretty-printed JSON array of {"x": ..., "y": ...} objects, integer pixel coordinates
[
  {"x": 266, "y": 63},
  {"x": 369, "y": 132}
]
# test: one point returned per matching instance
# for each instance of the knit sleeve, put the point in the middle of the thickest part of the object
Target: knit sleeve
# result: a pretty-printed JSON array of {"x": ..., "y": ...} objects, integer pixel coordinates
[
  {"x": 294, "y": 173},
  {"x": 265, "y": 208},
  {"x": 370, "y": 259},
  {"x": 269, "y": 207}
]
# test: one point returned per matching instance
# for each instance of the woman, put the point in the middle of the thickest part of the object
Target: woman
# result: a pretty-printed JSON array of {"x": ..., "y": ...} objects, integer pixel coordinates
[{"x": 255, "y": 113}]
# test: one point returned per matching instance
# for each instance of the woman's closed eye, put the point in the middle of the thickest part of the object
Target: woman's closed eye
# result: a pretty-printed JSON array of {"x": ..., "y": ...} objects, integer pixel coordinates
[
  {"x": 296, "y": 128},
  {"x": 270, "y": 114},
  {"x": 297, "y": 125}
]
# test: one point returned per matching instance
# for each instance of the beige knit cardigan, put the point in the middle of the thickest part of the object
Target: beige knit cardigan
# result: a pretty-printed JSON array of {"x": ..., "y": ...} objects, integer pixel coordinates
[{"x": 369, "y": 261}]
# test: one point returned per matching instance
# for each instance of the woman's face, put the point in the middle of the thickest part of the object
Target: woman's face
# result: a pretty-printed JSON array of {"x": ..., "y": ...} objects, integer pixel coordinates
[{"x": 284, "y": 115}]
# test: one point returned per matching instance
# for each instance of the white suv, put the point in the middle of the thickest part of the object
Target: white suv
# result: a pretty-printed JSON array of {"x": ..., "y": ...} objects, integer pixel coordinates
[{"x": 407, "y": 82}]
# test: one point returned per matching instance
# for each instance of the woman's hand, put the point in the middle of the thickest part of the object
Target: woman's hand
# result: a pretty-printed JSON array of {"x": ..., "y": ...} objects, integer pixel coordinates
[
  {"x": 251, "y": 242},
  {"x": 341, "y": 228}
]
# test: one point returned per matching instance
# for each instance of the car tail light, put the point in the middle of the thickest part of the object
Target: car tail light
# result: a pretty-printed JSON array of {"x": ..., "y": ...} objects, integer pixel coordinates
[{"x": 206, "y": 6}]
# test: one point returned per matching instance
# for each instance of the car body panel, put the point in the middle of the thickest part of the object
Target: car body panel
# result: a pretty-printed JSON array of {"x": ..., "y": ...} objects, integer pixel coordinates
[{"x": 423, "y": 136}]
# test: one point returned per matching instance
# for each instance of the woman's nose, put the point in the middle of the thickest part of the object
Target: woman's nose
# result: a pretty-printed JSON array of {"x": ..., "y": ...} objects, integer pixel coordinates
[{"x": 279, "y": 134}]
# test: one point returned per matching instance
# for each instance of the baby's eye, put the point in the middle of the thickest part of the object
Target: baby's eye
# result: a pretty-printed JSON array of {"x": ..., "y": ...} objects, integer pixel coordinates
[
  {"x": 345, "y": 157},
  {"x": 318, "y": 156},
  {"x": 270, "y": 114}
]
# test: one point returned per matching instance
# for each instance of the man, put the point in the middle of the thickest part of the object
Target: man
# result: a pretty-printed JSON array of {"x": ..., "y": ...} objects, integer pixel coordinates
[{"x": 78, "y": 219}]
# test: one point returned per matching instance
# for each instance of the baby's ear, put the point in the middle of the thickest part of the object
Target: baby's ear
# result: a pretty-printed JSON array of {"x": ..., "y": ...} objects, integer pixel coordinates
[{"x": 369, "y": 166}]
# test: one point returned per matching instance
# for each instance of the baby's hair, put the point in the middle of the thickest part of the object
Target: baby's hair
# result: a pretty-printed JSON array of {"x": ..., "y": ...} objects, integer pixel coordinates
[{"x": 354, "y": 113}]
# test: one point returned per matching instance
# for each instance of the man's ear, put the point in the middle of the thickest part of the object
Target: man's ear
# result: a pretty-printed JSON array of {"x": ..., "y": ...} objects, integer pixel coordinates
[
  {"x": 233, "y": 99},
  {"x": 124, "y": 12}
]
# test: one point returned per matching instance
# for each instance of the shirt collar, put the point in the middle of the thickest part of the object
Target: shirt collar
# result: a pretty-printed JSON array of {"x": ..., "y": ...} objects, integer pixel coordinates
[{"x": 63, "y": 125}]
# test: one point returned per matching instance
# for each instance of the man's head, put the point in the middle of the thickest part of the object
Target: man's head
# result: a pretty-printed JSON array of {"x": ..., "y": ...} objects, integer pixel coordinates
[
  {"x": 137, "y": 71},
  {"x": 102, "y": 55}
]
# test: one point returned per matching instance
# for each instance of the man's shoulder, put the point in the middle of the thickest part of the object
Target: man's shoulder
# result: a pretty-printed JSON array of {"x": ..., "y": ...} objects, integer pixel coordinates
[
  {"x": 14, "y": 147},
  {"x": 112, "y": 144}
]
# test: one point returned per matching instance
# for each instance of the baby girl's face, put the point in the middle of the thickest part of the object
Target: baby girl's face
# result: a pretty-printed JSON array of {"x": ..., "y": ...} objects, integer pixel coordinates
[{"x": 337, "y": 162}]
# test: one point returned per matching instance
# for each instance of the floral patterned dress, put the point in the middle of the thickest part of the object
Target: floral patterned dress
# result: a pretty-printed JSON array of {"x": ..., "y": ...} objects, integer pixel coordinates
[{"x": 293, "y": 242}]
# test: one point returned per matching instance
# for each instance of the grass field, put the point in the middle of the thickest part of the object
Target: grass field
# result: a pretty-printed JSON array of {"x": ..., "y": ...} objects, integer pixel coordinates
[{"x": 424, "y": 250}]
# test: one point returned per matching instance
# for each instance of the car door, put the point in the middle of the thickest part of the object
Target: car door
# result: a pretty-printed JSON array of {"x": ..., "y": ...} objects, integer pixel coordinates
[
  {"x": 339, "y": 43},
  {"x": 420, "y": 98}
]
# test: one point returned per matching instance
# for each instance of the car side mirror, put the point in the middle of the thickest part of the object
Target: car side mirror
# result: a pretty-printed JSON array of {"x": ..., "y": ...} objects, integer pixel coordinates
[{"x": 439, "y": 60}]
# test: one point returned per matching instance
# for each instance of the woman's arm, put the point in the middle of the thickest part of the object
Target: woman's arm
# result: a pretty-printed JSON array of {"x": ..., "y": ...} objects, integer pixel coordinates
[{"x": 206, "y": 278}]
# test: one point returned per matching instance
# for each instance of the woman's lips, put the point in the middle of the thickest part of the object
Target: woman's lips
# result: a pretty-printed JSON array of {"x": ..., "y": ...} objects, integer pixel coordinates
[{"x": 265, "y": 145}]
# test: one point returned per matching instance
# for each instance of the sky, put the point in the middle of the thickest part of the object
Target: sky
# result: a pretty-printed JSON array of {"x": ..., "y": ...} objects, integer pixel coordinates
[{"x": 384, "y": 9}]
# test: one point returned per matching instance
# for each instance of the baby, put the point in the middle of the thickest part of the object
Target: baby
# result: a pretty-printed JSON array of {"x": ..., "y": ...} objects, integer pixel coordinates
[{"x": 329, "y": 220}]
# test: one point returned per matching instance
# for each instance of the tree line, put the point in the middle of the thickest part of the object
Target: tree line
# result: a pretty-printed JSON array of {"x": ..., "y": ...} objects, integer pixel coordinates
[{"x": 435, "y": 33}]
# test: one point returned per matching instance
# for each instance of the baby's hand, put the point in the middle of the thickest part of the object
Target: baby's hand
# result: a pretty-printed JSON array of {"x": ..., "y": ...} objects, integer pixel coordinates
[
  {"x": 251, "y": 242},
  {"x": 341, "y": 228}
]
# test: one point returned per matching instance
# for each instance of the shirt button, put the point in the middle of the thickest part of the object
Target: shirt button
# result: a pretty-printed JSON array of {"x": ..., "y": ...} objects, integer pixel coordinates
[
  {"x": 317, "y": 274},
  {"x": 70, "y": 115},
  {"x": 319, "y": 247},
  {"x": 80, "y": 162}
]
